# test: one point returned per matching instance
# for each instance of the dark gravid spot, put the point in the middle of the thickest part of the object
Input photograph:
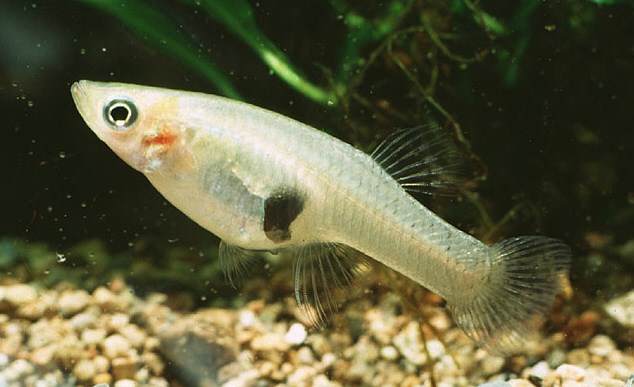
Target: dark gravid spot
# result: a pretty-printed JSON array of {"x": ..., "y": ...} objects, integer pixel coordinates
[{"x": 280, "y": 210}]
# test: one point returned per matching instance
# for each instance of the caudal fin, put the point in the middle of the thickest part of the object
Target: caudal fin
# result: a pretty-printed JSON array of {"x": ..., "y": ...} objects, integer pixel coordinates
[{"x": 521, "y": 290}]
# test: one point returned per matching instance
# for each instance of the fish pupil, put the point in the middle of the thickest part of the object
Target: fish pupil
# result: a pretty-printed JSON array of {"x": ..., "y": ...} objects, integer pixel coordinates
[{"x": 120, "y": 114}]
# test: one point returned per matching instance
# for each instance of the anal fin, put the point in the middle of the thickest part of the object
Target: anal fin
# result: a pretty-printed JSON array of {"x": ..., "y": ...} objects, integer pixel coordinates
[{"x": 322, "y": 273}]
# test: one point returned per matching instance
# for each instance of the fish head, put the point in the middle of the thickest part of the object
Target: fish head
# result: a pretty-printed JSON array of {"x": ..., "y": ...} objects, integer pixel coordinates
[{"x": 139, "y": 123}]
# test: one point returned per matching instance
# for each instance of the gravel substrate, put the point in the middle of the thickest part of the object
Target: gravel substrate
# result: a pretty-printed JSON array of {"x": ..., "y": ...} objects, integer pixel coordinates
[{"x": 70, "y": 337}]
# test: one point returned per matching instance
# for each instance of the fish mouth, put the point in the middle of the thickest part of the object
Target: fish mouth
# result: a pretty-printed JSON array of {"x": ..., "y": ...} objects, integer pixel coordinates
[{"x": 77, "y": 90}]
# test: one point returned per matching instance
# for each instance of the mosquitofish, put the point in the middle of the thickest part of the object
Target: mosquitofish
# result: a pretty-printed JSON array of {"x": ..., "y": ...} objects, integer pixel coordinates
[{"x": 261, "y": 181}]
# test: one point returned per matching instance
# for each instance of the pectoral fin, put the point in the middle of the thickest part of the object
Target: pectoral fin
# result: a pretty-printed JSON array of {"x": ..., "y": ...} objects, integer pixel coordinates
[{"x": 235, "y": 262}]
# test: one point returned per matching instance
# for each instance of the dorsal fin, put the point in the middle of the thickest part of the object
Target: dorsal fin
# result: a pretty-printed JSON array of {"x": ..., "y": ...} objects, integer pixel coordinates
[
  {"x": 423, "y": 159},
  {"x": 322, "y": 272}
]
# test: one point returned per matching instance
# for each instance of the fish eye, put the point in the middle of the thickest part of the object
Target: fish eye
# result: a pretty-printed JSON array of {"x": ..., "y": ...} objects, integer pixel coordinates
[{"x": 120, "y": 114}]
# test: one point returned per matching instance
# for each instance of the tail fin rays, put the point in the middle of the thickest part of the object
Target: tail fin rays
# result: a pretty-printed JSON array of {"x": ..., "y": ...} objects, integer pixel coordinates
[{"x": 519, "y": 294}]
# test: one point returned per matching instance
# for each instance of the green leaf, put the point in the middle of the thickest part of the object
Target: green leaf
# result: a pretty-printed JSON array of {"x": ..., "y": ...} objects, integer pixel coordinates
[{"x": 237, "y": 17}]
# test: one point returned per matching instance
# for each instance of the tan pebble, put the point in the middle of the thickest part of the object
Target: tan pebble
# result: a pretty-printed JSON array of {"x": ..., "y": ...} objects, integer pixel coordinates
[
  {"x": 410, "y": 381},
  {"x": 125, "y": 383},
  {"x": 601, "y": 345},
  {"x": 153, "y": 362},
  {"x": 492, "y": 365},
  {"x": 286, "y": 368},
  {"x": 328, "y": 359},
  {"x": 142, "y": 375},
  {"x": 606, "y": 382},
  {"x": 151, "y": 344},
  {"x": 135, "y": 335},
  {"x": 270, "y": 342},
  {"x": 93, "y": 336},
  {"x": 158, "y": 382},
  {"x": 115, "y": 346},
  {"x": 84, "y": 370},
  {"x": 620, "y": 371},
  {"x": 107, "y": 300},
  {"x": 322, "y": 380},
  {"x": 408, "y": 342},
  {"x": 103, "y": 377},
  {"x": 123, "y": 368},
  {"x": 44, "y": 305},
  {"x": 43, "y": 356},
  {"x": 520, "y": 383},
  {"x": 578, "y": 356},
  {"x": 20, "y": 294},
  {"x": 118, "y": 321},
  {"x": 266, "y": 369},
  {"x": 319, "y": 344},
  {"x": 102, "y": 364},
  {"x": 72, "y": 301},
  {"x": 301, "y": 374},
  {"x": 83, "y": 321},
  {"x": 305, "y": 355},
  {"x": 571, "y": 372},
  {"x": 389, "y": 353}
]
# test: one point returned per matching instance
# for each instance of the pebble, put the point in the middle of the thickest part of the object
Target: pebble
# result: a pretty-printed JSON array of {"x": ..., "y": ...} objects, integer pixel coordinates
[
  {"x": 492, "y": 365},
  {"x": 389, "y": 353},
  {"x": 305, "y": 355},
  {"x": 270, "y": 342},
  {"x": 125, "y": 383},
  {"x": 73, "y": 301},
  {"x": 409, "y": 345},
  {"x": 18, "y": 294},
  {"x": 123, "y": 367},
  {"x": 621, "y": 309},
  {"x": 85, "y": 370},
  {"x": 571, "y": 372},
  {"x": 601, "y": 345},
  {"x": 296, "y": 334},
  {"x": 135, "y": 335},
  {"x": 116, "y": 346},
  {"x": 93, "y": 336}
]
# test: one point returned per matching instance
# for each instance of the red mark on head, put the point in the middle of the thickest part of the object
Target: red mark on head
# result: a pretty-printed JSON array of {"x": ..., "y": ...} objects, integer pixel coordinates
[{"x": 163, "y": 137}]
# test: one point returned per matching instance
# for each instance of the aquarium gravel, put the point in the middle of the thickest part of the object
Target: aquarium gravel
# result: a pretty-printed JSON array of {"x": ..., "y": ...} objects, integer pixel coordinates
[{"x": 69, "y": 337}]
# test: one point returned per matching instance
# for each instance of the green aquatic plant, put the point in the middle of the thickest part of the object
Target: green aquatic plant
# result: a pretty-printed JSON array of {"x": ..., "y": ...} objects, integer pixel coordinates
[{"x": 161, "y": 31}]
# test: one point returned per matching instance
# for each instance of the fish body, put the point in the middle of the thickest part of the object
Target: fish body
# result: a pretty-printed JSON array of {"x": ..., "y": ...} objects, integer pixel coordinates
[{"x": 262, "y": 181}]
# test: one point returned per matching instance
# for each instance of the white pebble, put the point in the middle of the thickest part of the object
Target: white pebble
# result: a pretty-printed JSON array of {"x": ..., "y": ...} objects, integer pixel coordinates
[
  {"x": 115, "y": 346},
  {"x": 84, "y": 369},
  {"x": 296, "y": 334},
  {"x": 135, "y": 335},
  {"x": 492, "y": 365},
  {"x": 601, "y": 345},
  {"x": 305, "y": 355},
  {"x": 82, "y": 321},
  {"x": 389, "y": 353},
  {"x": 93, "y": 336},
  {"x": 540, "y": 370},
  {"x": 20, "y": 294},
  {"x": 246, "y": 318},
  {"x": 72, "y": 302},
  {"x": 435, "y": 348},
  {"x": 125, "y": 383},
  {"x": 328, "y": 359},
  {"x": 571, "y": 372}
]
